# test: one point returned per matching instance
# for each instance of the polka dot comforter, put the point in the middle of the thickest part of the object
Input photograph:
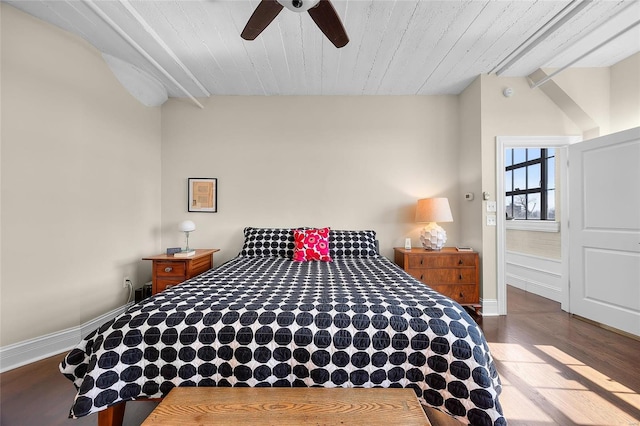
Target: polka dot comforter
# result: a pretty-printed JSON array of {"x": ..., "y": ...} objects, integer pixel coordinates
[{"x": 266, "y": 321}]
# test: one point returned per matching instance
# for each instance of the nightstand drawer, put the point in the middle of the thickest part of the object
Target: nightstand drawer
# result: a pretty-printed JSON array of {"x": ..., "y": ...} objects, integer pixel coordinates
[
  {"x": 170, "y": 269},
  {"x": 460, "y": 293},
  {"x": 441, "y": 261},
  {"x": 163, "y": 284},
  {"x": 444, "y": 276}
]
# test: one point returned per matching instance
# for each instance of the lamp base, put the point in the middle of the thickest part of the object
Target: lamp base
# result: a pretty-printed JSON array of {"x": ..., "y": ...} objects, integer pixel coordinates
[{"x": 433, "y": 237}]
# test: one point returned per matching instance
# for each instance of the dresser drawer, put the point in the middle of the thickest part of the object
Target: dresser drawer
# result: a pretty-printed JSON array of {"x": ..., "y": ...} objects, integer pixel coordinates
[
  {"x": 463, "y": 294},
  {"x": 170, "y": 269},
  {"x": 449, "y": 272},
  {"x": 441, "y": 261},
  {"x": 444, "y": 276}
]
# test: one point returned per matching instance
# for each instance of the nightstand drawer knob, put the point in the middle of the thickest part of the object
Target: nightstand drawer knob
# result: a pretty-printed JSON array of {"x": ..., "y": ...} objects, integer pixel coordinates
[
  {"x": 421, "y": 277},
  {"x": 461, "y": 295},
  {"x": 421, "y": 261},
  {"x": 460, "y": 276},
  {"x": 168, "y": 269},
  {"x": 460, "y": 262}
]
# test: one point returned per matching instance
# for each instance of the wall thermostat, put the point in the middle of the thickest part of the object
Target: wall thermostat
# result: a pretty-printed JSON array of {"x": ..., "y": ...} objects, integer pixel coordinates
[{"x": 468, "y": 196}]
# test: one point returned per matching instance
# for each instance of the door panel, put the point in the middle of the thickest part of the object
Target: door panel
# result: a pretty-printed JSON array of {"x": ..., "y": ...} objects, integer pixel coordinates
[{"x": 604, "y": 181}]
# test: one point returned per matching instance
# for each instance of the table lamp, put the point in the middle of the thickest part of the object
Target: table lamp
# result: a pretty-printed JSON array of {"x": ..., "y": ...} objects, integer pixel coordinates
[
  {"x": 432, "y": 210},
  {"x": 186, "y": 227}
]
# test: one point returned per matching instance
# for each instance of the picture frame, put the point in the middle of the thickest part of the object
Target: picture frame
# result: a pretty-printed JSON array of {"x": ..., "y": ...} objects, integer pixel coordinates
[{"x": 202, "y": 195}]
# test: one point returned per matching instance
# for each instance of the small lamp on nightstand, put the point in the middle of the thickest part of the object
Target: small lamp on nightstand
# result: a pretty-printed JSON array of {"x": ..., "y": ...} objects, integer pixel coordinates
[
  {"x": 433, "y": 210},
  {"x": 186, "y": 227}
]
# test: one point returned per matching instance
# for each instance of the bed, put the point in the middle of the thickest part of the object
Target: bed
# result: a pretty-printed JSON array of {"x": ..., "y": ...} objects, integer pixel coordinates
[{"x": 263, "y": 319}]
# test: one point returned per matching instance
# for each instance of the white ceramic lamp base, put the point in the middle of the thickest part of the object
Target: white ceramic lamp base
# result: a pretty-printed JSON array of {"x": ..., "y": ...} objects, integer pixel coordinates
[{"x": 433, "y": 237}]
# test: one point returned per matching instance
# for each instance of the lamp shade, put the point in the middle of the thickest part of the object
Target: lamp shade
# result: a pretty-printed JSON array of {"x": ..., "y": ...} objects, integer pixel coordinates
[
  {"x": 433, "y": 210},
  {"x": 187, "y": 226}
]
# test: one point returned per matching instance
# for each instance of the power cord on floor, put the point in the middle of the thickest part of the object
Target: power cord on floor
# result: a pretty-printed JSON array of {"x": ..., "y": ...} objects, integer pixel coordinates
[{"x": 130, "y": 285}]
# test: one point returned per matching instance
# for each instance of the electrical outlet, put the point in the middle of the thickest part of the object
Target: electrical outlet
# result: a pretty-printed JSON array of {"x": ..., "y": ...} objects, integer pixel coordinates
[
  {"x": 491, "y": 220},
  {"x": 125, "y": 281}
]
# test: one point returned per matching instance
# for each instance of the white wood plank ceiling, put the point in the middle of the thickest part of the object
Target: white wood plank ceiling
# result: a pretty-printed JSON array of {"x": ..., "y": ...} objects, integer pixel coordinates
[{"x": 401, "y": 47}]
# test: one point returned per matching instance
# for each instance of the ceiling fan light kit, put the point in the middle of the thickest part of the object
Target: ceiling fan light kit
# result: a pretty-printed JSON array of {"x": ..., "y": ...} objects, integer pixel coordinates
[{"x": 321, "y": 11}]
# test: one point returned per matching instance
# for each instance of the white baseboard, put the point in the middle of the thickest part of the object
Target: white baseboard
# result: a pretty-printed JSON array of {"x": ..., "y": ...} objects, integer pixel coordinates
[
  {"x": 541, "y": 289},
  {"x": 489, "y": 307},
  {"x": 28, "y": 351},
  {"x": 535, "y": 274}
]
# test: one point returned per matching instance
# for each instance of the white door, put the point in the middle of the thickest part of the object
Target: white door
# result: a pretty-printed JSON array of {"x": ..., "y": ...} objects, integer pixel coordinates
[{"x": 604, "y": 202}]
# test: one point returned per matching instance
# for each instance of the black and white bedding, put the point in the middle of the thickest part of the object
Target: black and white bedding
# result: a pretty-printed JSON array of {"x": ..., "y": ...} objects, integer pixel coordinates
[{"x": 262, "y": 319}]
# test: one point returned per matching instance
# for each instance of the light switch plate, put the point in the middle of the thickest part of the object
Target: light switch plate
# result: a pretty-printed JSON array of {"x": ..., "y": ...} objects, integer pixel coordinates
[
  {"x": 492, "y": 206},
  {"x": 491, "y": 220}
]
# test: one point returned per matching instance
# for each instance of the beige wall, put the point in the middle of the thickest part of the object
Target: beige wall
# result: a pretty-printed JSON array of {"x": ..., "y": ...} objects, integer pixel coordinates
[
  {"x": 343, "y": 162},
  {"x": 80, "y": 173},
  {"x": 589, "y": 88},
  {"x": 542, "y": 244},
  {"x": 470, "y": 169},
  {"x": 625, "y": 94}
]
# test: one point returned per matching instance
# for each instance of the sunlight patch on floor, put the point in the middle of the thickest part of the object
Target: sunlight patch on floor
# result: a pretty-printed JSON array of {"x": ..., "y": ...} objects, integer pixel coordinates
[
  {"x": 557, "y": 379},
  {"x": 586, "y": 408},
  {"x": 626, "y": 394},
  {"x": 527, "y": 411}
]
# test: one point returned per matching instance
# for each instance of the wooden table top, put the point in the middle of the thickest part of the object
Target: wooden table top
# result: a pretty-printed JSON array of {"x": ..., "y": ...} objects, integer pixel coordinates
[
  {"x": 288, "y": 406},
  {"x": 199, "y": 253}
]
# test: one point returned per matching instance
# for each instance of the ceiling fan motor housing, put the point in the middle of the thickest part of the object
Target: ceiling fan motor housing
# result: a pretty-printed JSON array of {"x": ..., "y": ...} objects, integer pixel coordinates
[{"x": 298, "y": 5}]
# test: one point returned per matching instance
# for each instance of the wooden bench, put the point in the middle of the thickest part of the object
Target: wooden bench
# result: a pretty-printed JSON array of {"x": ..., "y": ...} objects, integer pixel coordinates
[{"x": 288, "y": 406}]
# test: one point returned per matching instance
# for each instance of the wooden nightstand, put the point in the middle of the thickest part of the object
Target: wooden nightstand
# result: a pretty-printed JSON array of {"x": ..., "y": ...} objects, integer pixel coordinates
[
  {"x": 454, "y": 273},
  {"x": 169, "y": 270}
]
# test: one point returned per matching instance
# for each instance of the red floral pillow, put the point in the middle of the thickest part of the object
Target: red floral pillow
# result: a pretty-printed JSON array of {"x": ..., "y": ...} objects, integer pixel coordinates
[{"x": 311, "y": 244}]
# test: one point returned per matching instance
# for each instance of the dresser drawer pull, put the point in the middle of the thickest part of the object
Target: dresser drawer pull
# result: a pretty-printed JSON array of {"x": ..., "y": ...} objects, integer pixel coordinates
[
  {"x": 460, "y": 276},
  {"x": 421, "y": 277},
  {"x": 460, "y": 262},
  {"x": 461, "y": 295},
  {"x": 168, "y": 269},
  {"x": 421, "y": 261}
]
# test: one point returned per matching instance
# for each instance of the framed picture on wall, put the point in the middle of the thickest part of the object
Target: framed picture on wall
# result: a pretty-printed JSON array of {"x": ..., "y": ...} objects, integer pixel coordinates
[{"x": 203, "y": 195}]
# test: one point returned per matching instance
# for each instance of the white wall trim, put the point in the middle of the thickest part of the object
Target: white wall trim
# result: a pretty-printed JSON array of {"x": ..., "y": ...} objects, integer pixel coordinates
[
  {"x": 535, "y": 287},
  {"x": 535, "y": 274},
  {"x": 32, "y": 350},
  {"x": 489, "y": 307}
]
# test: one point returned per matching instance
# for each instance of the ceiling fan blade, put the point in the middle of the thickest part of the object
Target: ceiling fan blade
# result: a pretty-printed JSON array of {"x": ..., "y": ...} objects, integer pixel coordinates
[
  {"x": 327, "y": 19},
  {"x": 266, "y": 12}
]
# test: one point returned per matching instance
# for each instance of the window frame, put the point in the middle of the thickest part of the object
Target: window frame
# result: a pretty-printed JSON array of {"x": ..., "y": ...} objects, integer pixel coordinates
[{"x": 543, "y": 189}]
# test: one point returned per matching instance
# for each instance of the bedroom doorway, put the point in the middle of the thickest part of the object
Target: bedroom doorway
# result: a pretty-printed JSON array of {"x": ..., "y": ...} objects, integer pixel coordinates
[{"x": 530, "y": 265}]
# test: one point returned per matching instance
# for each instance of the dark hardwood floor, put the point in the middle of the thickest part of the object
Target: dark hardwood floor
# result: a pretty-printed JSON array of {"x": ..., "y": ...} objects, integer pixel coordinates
[{"x": 556, "y": 370}]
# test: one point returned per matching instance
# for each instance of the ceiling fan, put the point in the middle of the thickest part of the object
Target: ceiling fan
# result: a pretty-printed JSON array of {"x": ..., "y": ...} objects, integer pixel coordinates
[{"x": 322, "y": 12}]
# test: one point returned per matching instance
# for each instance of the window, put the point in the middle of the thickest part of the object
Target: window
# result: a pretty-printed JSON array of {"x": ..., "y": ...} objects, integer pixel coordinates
[{"x": 530, "y": 183}]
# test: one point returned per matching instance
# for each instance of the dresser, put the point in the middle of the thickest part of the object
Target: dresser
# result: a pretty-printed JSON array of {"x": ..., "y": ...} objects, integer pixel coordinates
[
  {"x": 168, "y": 270},
  {"x": 454, "y": 273}
]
